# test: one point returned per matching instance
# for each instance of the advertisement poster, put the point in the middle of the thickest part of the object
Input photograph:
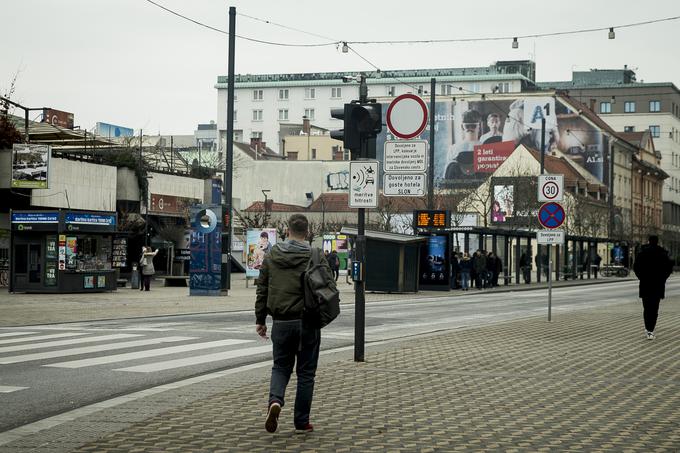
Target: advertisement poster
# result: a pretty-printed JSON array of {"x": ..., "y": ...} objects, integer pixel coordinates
[
  {"x": 259, "y": 242},
  {"x": 88, "y": 281},
  {"x": 482, "y": 133},
  {"x": 514, "y": 201},
  {"x": 339, "y": 243},
  {"x": 71, "y": 252},
  {"x": 503, "y": 203},
  {"x": 434, "y": 261},
  {"x": 205, "y": 267},
  {"x": 30, "y": 164}
]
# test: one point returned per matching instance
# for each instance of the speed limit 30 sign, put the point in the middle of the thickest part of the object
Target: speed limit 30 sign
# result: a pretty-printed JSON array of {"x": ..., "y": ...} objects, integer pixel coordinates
[{"x": 550, "y": 188}]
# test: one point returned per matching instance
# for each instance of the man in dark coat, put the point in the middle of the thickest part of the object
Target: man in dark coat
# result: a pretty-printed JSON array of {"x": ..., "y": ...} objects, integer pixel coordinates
[{"x": 652, "y": 267}]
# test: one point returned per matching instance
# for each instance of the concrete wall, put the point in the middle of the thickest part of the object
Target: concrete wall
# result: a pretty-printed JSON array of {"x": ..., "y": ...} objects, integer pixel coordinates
[
  {"x": 78, "y": 185},
  {"x": 287, "y": 180},
  {"x": 179, "y": 186},
  {"x": 127, "y": 188},
  {"x": 5, "y": 168}
]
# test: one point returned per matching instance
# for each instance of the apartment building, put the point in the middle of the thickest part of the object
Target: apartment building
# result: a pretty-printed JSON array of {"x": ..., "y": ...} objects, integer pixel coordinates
[
  {"x": 262, "y": 102},
  {"x": 629, "y": 105}
]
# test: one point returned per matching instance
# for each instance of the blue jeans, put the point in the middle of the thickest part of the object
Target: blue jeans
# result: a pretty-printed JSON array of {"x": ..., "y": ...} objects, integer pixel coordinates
[
  {"x": 465, "y": 280},
  {"x": 292, "y": 340}
]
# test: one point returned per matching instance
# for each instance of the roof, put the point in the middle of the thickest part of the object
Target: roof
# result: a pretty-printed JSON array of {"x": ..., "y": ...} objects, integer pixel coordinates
[
  {"x": 562, "y": 165},
  {"x": 339, "y": 202},
  {"x": 569, "y": 85},
  {"x": 650, "y": 167},
  {"x": 384, "y": 236},
  {"x": 634, "y": 138},
  {"x": 258, "y": 206},
  {"x": 265, "y": 154},
  {"x": 49, "y": 134}
]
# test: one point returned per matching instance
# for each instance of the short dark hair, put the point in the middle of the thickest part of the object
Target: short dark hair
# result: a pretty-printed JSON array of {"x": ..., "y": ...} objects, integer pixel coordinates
[
  {"x": 653, "y": 240},
  {"x": 298, "y": 225},
  {"x": 264, "y": 234}
]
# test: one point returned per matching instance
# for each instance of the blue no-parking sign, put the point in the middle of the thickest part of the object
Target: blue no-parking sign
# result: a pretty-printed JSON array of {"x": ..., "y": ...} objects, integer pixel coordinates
[{"x": 551, "y": 215}]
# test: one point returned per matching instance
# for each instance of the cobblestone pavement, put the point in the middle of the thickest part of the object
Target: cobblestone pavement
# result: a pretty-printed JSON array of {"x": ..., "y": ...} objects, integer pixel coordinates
[{"x": 588, "y": 381}]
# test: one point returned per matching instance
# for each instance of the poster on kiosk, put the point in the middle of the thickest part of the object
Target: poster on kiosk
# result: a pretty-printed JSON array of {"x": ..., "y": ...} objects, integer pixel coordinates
[
  {"x": 205, "y": 268},
  {"x": 435, "y": 272}
]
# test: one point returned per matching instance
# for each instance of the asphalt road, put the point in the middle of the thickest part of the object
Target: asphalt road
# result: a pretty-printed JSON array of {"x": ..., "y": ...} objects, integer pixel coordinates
[{"x": 50, "y": 369}]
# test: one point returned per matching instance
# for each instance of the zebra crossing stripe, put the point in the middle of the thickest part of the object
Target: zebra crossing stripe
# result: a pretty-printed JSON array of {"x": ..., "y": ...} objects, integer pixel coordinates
[
  {"x": 178, "y": 363},
  {"x": 16, "y": 334},
  {"x": 43, "y": 337},
  {"x": 89, "y": 349},
  {"x": 10, "y": 389},
  {"x": 145, "y": 354},
  {"x": 51, "y": 344}
]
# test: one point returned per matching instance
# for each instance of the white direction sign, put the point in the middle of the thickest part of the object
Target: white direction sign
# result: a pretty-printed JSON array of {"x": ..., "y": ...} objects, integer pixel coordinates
[
  {"x": 363, "y": 184},
  {"x": 405, "y": 156},
  {"x": 404, "y": 185},
  {"x": 406, "y": 116},
  {"x": 550, "y": 188},
  {"x": 550, "y": 237}
]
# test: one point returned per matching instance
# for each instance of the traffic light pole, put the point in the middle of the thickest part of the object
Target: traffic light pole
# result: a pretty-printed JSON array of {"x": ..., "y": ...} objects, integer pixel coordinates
[
  {"x": 360, "y": 254},
  {"x": 226, "y": 214}
]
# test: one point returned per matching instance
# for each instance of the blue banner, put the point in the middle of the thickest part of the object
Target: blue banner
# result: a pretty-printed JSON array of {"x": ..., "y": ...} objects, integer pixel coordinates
[
  {"x": 90, "y": 219},
  {"x": 35, "y": 217},
  {"x": 205, "y": 268}
]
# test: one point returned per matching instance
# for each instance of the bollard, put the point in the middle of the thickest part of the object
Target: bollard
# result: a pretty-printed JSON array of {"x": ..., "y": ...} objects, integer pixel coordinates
[{"x": 134, "y": 278}]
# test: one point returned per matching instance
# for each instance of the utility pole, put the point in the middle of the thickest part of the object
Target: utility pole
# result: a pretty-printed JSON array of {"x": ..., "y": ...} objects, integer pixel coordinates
[
  {"x": 430, "y": 176},
  {"x": 540, "y": 257},
  {"x": 226, "y": 238}
]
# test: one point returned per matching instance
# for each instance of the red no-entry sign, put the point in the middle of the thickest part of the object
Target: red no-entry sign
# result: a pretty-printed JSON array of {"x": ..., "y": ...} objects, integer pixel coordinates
[{"x": 407, "y": 116}]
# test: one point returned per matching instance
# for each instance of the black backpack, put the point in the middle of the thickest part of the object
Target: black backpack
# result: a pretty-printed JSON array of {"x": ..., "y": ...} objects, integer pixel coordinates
[{"x": 322, "y": 298}]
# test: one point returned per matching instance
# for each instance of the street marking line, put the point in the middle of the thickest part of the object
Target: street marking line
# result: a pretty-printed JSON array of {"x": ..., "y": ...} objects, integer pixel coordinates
[
  {"x": 43, "y": 337},
  {"x": 16, "y": 334},
  {"x": 145, "y": 354},
  {"x": 52, "y": 344},
  {"x": 10, "y": 389},
  {"x": 170, "y": 364},
  {"x": 89, "y": 349}
]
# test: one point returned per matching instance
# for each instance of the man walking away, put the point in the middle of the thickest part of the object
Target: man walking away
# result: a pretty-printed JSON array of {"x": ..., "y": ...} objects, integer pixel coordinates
[
  {"x": 652, "y": 267},
  {"x": 280, "y": 294},
  {"x": 334, "y": 263}
]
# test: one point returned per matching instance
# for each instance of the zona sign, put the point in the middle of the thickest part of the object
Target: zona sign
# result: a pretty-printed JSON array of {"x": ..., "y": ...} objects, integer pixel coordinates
[
  {"x": 551, "y": 215},
  {"x": 407, "y": 116}
]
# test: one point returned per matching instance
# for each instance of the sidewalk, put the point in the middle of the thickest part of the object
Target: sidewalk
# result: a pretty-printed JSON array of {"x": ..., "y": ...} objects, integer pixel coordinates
[
  {"x": 32, "y": 309},
  {"x": 586, "y": 382}
]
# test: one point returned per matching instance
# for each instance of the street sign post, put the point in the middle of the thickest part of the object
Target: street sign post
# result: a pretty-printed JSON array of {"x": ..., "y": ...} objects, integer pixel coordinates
[
  {"x": 550, "y": 237},
  {"x": 363, "y": 184},
  {"x": 407, "y": 116},
  {"x": 550, "y": 188},
  {"x": 404, "y": 185},
  {"x": 405, "y": 156},
  {"x": 551, "y": 215}
]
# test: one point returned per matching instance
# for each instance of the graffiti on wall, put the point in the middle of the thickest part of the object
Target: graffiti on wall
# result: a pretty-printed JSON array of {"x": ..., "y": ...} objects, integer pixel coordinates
[{"x": 338, "y": 180}]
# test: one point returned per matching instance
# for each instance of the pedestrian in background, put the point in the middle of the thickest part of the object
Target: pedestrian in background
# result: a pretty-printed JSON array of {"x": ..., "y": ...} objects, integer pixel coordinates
[
  {"x": 479, "y": 266},
  {"x": 281, "y": 295},
  {"x": 334, "y": 263},
  {"x": 146, "y": 261},
  {"x": 652, "y": 267},
  {"x": 465, "y": 270}
]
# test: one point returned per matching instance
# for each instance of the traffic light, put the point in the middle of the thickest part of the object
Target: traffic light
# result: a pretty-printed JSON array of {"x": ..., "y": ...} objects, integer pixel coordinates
[{"x": 362, "y": 122}]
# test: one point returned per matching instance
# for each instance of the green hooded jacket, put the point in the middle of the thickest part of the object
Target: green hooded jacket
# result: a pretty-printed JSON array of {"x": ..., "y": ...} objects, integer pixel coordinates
[{"x": 279, "y": 286}]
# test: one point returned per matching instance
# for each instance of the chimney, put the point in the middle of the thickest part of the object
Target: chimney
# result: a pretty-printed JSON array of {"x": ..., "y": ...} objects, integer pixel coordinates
[
  {"x": 263, "y": 146},
  {"x": 306, "y": 126},
  {"x": 255, "y": 142},
  {"x": 593, "y": 104}
]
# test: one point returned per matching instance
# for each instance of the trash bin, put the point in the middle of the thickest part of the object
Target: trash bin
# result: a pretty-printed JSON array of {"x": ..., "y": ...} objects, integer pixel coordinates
[{"x": 134, "y": 278}]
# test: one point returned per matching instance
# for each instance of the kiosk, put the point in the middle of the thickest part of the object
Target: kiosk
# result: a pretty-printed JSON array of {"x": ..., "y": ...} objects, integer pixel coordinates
[{"x": 62, "y": 251}]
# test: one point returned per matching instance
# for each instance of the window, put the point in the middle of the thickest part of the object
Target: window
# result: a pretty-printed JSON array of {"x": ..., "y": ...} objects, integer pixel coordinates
[
  {"x": 391, "y": 89},
  {"x": 503, "y": 87},
  {"x": 283, "y": 95},
  {"x": 420, "y": 89},
  {"x": 310, "y": 93},
  {"x": 605, "y": 107},
  {"x": 336, "y": 92},
  {"x": 257, "y": 95},
  {"x": 313, "y": 153},
  {"x": 629, "y": 107},
  {"x": 446, "y": 89},
  {"x": 235, "y": 116},
  {"x": 255, "y": 134},
  {"x": 628, "y": 128},
  {"x": 283, "y": 114},
  {"x": 309, "y": 113},
  {"x": 655, "y": 130},
  {"x": 257, "y": 115},
  {"x": 654, "y": 106},
  {"x": 476, "y": 87},
  {"x": 292, "y": 155}
]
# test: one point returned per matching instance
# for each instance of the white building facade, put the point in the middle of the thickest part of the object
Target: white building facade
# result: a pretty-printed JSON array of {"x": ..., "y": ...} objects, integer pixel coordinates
[{"x": 263, "y": 101}]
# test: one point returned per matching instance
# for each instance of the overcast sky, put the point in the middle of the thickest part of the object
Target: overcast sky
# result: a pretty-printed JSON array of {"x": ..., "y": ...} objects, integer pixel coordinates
[{"x": 130, "y": 63}]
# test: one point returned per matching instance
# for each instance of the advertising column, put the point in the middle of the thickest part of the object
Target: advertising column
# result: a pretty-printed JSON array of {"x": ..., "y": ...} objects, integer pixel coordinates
[{"x": 205, "y": 268}]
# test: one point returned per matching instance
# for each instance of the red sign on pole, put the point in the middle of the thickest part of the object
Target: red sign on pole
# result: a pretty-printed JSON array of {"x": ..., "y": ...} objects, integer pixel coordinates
[
  {"x": 551, "y": 215},
  {"x": 488, "y": 157},
  {"x": 407, "y": 116}
]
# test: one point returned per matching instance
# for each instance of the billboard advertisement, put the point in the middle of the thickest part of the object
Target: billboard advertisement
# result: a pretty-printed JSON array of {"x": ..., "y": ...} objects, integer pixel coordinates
[
  {"x": 205, "y": 267},
  {"x": 513, "y": 201},
  {"x": 58, "y": 118},
  {"x": 30, "y": 165},
  {"x": 113, "y": 131},
  {"x": 475, "y": 136},
  {"x": 434, "y": 262},
  {"x": 259, "y": 242}
]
